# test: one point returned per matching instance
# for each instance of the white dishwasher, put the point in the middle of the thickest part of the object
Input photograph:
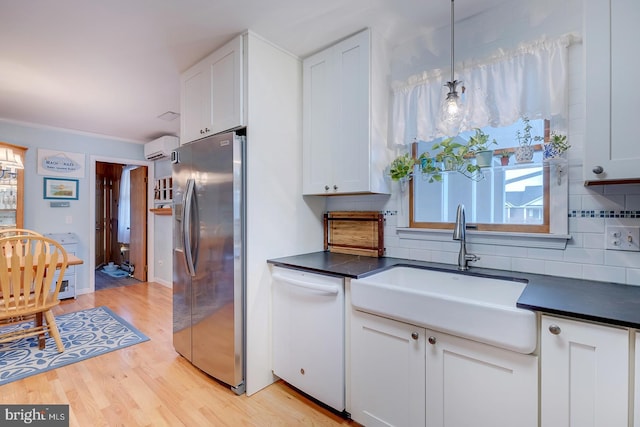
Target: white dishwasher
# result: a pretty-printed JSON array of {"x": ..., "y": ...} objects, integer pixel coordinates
[{"x": 308, "y": 333}]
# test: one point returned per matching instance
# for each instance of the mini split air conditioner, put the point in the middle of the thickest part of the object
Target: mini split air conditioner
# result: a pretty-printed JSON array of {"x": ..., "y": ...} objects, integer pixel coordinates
[{"x": 160, "y": 148}]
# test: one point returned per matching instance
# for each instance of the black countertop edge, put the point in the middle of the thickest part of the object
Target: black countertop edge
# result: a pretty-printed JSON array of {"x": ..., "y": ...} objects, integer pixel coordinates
[{"x": 603, "y": 302}]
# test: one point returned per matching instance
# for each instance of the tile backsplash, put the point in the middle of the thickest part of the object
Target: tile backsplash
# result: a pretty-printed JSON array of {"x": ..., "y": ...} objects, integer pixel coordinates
[{"x": 591, "y": 210}]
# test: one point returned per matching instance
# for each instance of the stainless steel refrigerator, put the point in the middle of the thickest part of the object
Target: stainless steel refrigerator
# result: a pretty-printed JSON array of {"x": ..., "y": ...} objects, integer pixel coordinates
[{"x": 208, "y": 256}]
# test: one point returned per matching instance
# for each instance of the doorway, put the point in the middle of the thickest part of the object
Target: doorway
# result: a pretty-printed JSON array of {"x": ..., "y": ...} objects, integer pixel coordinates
[{"x": 120, "y": 222}]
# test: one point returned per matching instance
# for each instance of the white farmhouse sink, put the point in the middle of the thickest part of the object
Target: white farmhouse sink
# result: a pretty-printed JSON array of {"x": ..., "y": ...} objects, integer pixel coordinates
[{"x": 479, "y": 308}]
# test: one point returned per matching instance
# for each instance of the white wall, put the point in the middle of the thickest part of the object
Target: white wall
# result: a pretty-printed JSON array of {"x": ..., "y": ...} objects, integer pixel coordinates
[
  {"x": 590, "y": 208},
  {"x": 163, "y": 241},
  {"x": 279, "y": 221},
  {"x": 38, "y": 214}
]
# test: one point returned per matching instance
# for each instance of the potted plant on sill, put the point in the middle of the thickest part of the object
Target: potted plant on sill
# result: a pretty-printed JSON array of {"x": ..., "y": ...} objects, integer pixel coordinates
[
  {"x": 524, "y": 150},
  {"x": 505, "y": 155},
  {"x": 479, "y": 147},
  {"x": 555, "y": 147}
]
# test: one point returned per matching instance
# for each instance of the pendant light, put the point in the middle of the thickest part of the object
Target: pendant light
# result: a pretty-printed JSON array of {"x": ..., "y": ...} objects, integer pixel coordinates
[{"x": 452, "y": 110}]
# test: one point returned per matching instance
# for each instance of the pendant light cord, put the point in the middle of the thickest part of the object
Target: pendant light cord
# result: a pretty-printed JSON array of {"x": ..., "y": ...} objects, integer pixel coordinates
[{"x": 452, "y": 40}]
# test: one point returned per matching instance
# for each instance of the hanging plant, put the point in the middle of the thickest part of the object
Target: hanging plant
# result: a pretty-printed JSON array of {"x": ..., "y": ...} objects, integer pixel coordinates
[{"x": 401, "y": 167}]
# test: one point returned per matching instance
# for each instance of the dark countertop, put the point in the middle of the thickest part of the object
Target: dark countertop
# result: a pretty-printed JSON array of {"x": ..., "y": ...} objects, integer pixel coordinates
[{"x": 611, "y": 303}]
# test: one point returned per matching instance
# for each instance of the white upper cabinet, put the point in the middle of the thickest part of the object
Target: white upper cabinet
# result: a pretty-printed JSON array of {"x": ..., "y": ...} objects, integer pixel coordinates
[
  {"x": 345, "y": 118},
  {"x": 611, "y": 33},
  {"x": 212, "y": 93}
]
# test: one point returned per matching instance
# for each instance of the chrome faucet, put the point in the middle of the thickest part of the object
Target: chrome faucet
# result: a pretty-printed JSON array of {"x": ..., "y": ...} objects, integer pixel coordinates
[{"x": 459, "y": 233}]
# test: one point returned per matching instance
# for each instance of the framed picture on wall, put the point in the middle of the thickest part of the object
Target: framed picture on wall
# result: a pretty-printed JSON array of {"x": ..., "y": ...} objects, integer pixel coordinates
[{"x": 61, "y": 188}]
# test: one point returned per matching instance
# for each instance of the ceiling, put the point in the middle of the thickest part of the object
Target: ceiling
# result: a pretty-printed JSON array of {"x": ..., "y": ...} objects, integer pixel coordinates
[{"x": 112, "y": 67}]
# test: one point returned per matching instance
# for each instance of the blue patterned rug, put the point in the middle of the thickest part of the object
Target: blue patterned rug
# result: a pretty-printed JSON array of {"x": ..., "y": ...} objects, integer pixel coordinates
[{"x": 85, "y": 334}]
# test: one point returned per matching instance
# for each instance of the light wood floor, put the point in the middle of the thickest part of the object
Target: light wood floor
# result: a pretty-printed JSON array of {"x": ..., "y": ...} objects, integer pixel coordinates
[{"x": 149, "y": 384}]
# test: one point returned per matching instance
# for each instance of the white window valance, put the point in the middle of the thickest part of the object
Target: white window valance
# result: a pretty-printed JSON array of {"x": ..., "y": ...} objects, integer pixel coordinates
[{"x": 531, "y": 80}]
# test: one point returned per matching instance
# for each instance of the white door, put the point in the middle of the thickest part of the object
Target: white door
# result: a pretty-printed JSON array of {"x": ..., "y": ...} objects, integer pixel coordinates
[
  {"x": 612, "y": 31},
  {"x": 351, "y": 142},
  {"x": 387, "y": 372},
  {"x": 474, "y": 384},
  {"x": 226, "y": 71},
  {"x": 319, "y": 123},
  {"x": 584, "y": 374}
]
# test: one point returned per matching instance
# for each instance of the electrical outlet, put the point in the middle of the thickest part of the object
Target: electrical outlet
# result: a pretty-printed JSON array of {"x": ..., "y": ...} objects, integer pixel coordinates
[{"x": 621, "y": 238}]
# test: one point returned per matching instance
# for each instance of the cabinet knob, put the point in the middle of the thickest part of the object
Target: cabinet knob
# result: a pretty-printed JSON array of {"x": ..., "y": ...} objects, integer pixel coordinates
[
  {"x": 555, "y": 329},
  {"x": 432, "y": 340},
  {"x": 414, "y": 335},
  {"x": 302, "y": 371},
  {"x": 326, "y": 187},
  {"x": 335, "y": 187},
  {"x": 201, "y": 132},
  {"x": 598, "y": 170}
]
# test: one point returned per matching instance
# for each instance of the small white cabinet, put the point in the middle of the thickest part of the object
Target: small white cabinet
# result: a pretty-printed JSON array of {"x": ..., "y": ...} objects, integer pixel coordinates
[
  {"x": 584, "y": 374},
  {"x": 474, "y": 384},
  {"x": 345, "y": 108},
  {"x": 610, "y": 36},
  {"x": 387, "y": 371},
  {"x": 405, "y": 375},
  {"x": 212, "y": 93}
]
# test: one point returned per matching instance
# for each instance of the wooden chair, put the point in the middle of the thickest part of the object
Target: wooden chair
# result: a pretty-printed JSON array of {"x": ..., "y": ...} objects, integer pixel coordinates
[
  {"x": 27, "y": 288},
  {"x": 7, "y": 232}
]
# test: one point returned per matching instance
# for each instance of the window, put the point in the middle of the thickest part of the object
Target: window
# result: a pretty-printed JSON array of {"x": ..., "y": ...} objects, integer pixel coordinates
[{"x": 513, "y": 198}]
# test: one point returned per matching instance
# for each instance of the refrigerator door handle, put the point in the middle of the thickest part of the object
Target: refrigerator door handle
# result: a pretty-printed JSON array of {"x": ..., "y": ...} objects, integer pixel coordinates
[{"x": 186, "y": 226}]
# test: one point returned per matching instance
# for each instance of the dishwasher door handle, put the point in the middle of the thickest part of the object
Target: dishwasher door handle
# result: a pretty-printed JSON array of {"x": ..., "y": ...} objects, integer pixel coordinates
[{"x": 326, "y": 289}]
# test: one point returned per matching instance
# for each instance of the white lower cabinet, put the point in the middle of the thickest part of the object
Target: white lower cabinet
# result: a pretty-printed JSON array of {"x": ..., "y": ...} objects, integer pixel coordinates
[
  {"x": 474, "y": 384},
  {"x": 404, "y": 375},
  {"x": 584, "y": 374},
  {"x": 387, "y": 372}
]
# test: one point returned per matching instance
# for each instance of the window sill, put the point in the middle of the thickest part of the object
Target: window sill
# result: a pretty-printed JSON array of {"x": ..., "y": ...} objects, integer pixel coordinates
[{"x": 527, "y": 240}]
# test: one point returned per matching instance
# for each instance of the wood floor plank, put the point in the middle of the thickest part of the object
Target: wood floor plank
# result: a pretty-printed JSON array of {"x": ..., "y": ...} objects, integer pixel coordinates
[{"x": 149, "y": 384}]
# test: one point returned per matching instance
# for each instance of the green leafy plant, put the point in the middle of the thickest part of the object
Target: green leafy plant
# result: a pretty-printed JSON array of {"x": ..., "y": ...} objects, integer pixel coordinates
[
  {"x": 525, "y": 138},
  {"x": 402, "y": 167},
  {"x": 505, "y": 154},
  {"x": 453, "y": 156},
  {"x": 480, "y": 141},
  {"x": 559, "y": 142}
]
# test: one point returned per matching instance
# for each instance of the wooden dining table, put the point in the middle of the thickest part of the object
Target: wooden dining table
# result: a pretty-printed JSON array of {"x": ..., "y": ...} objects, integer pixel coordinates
[{"x": 71, "y": 260}]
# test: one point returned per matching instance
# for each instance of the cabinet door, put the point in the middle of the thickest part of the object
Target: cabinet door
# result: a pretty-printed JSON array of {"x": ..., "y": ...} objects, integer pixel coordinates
[
  {"x": 611, "y": 33},
  {"x": 319, "y": 124},
  {"x": 226, "y": 87},
  {"x": 12, "y": 192},
  {"x": 337, "y": 145},
  {"x": 584, "y": 374},
  {"x": 387, "y": 372},
  {"x": 195, "y": 116},
  {"x": 351, "y": 142},
  {"x": 211, "y": 93},
  {"x": 473, "y": 384}
]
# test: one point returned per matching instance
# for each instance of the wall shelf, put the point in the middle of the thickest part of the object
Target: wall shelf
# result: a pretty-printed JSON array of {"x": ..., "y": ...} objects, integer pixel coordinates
[{"x": 161, "y": 211}]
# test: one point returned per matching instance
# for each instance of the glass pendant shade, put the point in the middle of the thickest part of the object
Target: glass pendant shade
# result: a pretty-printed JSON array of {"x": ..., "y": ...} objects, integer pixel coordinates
[{"x": 452, "y": 110}]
